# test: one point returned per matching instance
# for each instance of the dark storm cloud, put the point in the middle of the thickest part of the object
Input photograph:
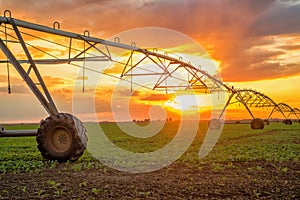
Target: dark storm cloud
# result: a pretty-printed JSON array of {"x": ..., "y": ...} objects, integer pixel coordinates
[
  {"x": 261, "y": 71},
  {"x": 279, "y": 19}
]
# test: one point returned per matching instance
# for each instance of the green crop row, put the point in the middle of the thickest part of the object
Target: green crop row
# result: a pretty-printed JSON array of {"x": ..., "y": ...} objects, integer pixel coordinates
[{"x": 277, "y": 142}]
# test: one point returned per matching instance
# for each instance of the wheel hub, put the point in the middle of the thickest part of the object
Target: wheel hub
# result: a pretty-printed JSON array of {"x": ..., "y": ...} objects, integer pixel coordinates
[{"x": 61, "y": 140}]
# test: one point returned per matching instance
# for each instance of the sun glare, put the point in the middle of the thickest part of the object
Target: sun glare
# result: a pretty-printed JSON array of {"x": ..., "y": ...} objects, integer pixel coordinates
[{"x": 183, "y": 103}]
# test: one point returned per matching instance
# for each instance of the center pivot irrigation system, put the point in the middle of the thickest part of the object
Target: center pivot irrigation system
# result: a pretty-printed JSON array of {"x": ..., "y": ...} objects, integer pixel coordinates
[{"x": 62, "y": 136}]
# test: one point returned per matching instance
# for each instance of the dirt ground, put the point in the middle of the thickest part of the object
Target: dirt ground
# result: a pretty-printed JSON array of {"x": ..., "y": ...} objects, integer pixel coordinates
[{"x": 238, "y": 180}]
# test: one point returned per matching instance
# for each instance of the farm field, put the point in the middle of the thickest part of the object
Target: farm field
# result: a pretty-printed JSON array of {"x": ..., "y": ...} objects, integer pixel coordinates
[{"x": 244, "y": 164}]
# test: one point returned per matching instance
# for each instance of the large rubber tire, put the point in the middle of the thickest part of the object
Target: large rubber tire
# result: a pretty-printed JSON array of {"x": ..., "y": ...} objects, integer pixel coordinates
[
  {"x": 61, "y": 137},
  {"x": 257, "y": 123},
  {"x": 215, "y": 124},
  {"x": 288, "y": 122}
]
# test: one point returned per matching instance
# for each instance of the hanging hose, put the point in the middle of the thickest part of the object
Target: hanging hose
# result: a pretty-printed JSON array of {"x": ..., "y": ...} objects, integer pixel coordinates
[
  {"x": 83, "y": 67},
  {"x": 7, "y": 64},
  {"x": 8, "y": 79},
  {"x": 85, "y": 33}
]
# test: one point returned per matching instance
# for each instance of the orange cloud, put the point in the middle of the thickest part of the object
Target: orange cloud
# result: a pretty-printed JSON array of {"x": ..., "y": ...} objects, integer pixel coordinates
[
  {"x": 253, "y": 40},
  {"x": 228, "y": 29},
  {"x": 157, "y": 97}
]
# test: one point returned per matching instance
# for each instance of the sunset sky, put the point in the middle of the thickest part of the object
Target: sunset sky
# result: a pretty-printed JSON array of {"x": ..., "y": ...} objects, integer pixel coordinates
[{"x": 255, "y": 44}]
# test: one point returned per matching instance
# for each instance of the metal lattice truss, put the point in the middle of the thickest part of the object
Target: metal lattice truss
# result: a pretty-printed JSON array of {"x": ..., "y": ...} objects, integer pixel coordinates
[
  {"x": 296, "y": 112},
  {"x": 287, "y": 110},
  {"x": 76, "y": 49},
  {"x": 83, "y": 48},
  {"x": 168, "y": 72},
  {"x": 254, "y": 99}
]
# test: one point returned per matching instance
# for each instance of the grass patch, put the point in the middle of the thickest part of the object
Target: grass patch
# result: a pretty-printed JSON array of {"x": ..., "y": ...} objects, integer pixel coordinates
[{"x": 237, "y": 143}]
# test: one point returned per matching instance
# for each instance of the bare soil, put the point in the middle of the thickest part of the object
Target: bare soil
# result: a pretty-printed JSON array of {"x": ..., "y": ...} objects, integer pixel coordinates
[{"x": 238, "y": 180}]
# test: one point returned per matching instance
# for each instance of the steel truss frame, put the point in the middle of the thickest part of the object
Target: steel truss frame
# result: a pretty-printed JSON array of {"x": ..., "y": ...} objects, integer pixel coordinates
[
  {"x": 167, "y": 66},
  {"x": 196, "y": 78},
  {"x": 253, "y": 99},
  {"x": 287, "y": 110},
  {"x": 249, "y": 98}
]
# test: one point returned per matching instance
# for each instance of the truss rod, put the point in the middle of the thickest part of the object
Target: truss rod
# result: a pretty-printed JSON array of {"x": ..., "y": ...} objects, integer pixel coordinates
[
  {"x": 46, "y": 29},
  {"x": 249, "y": 98},
  {"x": 26, "y": 78},
  {"x": 51, "y": 105}
]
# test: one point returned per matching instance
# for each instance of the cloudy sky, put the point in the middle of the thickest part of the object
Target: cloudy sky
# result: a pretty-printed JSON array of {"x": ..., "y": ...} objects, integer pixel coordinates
[{"x": 257, "y": 43}]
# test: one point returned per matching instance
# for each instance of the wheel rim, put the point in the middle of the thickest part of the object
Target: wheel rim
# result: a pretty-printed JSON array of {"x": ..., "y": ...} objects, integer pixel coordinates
[{"x": 61, "y": 139}]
